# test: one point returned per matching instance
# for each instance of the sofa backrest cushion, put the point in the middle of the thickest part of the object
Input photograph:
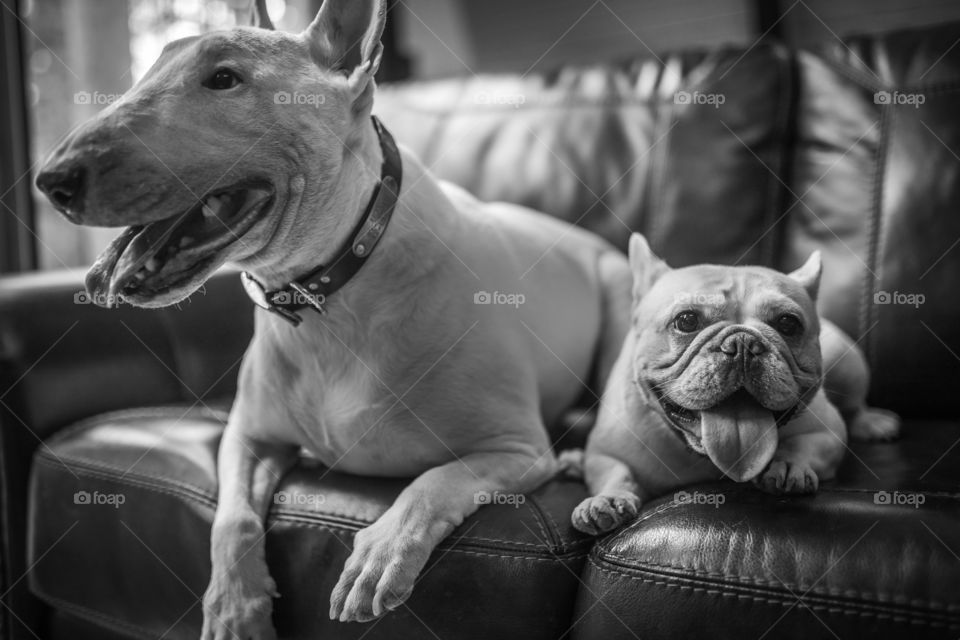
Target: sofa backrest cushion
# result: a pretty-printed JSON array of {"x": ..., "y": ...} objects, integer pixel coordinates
[
  {"x": 686, "y": 149},
  {"x": 875, "y": 180}
]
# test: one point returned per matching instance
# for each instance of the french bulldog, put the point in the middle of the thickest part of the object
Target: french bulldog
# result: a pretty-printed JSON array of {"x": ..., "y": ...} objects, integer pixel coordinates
[{"x": 720, "y": 375}]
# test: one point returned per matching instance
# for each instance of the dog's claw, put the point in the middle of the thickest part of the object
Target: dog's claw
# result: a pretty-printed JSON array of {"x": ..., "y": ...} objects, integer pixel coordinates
[
  {"x": 605, "y": 512},
  {"x": 783, "y": 476},
  {"x": 378, "y": 576}
]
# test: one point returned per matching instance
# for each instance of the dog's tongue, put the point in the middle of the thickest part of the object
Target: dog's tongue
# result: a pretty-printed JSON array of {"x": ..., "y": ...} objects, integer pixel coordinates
[
  {"x": 101, "y": 273},
  {"x": 740, "y": 436}
]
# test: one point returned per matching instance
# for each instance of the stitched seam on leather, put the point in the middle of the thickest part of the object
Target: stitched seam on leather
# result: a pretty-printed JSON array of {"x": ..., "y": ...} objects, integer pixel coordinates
[
  {"x": 881, "y": 597},
  {"x": 550, "y": 541},
  {"x": 186, "y": 491},
  {"x": 787, "y": 601},
  {"x": 547, "y": 557},
  {"x": 106, "y": 472},
  {"x": 92, "y": 615},
  {"x": 870, "y": 278},
  {"x": 776, "y": 189},
  {"x": 556, "y": 528},
  {"x": 931, "y": 494},
  {"x": 143, "y": 484}
]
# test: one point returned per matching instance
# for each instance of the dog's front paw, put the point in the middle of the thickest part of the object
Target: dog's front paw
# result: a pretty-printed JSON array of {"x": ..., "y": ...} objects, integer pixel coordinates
[
  {"x": 875, "y": 424},
  {"x": 605, "y": 512},
  {"x": 239, "y": 606},
  {"x": 379, "y": 575},
  {"x": 783, "y": 476}
]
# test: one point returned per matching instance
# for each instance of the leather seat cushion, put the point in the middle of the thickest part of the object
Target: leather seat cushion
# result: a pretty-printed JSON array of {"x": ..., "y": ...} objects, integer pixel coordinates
[
  {"x": 139, "y": 564},
  {"x": 874, "y": 554}
]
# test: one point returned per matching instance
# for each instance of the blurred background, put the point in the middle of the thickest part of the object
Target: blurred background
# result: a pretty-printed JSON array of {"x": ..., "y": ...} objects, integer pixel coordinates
[{"x": 64, "y": 60}]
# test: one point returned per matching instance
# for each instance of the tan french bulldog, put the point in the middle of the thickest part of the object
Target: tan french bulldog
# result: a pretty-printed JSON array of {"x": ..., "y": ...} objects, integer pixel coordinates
[{"x": 720, "y": 375}]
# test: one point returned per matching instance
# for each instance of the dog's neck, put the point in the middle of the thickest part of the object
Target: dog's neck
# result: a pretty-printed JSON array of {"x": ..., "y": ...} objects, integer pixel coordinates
[{"x": 343, "y": 204}]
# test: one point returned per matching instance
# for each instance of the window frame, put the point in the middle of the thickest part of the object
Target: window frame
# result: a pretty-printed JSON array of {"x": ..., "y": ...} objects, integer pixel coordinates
[{"x": 18, "y": 241}]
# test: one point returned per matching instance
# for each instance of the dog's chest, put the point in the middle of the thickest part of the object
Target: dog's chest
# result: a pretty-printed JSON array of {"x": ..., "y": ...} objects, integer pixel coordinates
[{"x": 345, "y": 415}]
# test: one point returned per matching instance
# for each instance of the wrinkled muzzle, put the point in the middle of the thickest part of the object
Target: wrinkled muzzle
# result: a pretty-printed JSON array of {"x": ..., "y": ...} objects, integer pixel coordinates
[{"x": 727, "y": 397}]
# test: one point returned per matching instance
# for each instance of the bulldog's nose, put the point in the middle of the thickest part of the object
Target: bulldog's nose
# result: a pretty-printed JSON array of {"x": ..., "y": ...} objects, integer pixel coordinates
[
  {"x": 745, "y": 344},
  {"x": 64, "y": 188}
]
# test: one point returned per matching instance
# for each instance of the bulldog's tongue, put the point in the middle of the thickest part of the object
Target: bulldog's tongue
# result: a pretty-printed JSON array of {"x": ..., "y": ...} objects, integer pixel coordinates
[{"x": 740, "y": 436}]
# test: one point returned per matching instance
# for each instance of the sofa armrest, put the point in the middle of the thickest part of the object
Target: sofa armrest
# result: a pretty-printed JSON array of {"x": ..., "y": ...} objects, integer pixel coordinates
[{"x": 63, "y": 359}]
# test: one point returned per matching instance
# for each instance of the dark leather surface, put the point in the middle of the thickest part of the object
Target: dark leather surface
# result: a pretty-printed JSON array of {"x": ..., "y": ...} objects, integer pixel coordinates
[
  {"x": 879, "y": 193},
  {"x": 61, "y": 361},
  {"x": 864, "y": 565},
  {"x": 610, "y": 149},
  {"x": 141, "y": 566}
]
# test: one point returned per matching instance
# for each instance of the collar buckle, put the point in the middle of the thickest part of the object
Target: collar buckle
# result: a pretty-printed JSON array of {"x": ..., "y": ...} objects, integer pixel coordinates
[{"x": 258, "y": 295}]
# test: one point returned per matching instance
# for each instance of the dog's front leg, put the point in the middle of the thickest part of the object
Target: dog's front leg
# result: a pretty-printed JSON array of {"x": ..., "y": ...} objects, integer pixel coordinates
[
  {"x": 238, "y": 602},
  {"x": 389, "y": 554}
]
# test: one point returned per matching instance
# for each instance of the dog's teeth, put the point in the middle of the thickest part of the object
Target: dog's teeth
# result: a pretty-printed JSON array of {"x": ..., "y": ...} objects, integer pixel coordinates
[
  {"x": 185, "y": 240},
  {"x": 151, "y": 265}
]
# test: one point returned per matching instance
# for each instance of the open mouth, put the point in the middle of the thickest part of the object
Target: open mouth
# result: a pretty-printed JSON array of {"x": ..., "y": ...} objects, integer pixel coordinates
[
  {"x": 686, "y": 421},
  {"x": 738, "y": 434},
  {"x": 146, "y": 260}
]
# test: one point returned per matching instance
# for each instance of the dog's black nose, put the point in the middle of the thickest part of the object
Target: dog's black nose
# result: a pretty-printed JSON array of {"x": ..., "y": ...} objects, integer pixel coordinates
[
  {"x": 64, "y": 188},
  {"x": 745, "y": 344}
]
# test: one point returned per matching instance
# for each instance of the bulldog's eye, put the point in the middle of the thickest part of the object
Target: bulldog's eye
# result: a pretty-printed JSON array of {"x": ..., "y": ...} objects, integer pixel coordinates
[
  {"x": 222, "y": 79},
  {"x": 788, "y": 325},
  {"x": 686, "y": 322}
]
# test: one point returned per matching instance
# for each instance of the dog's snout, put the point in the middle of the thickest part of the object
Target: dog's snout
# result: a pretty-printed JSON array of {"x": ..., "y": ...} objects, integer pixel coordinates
[
  {"x": 64, "y": 187},
  {"x": 742, "y": 344}
]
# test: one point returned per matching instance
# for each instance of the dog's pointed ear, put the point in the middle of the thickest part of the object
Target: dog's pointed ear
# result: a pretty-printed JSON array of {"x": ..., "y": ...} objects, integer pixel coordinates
[
  {"x": 259, "y": 17},
  {"x": 809, "y": 274},
  {"x": 345, "y": 36},
  {"x": 645, "y": 265}
]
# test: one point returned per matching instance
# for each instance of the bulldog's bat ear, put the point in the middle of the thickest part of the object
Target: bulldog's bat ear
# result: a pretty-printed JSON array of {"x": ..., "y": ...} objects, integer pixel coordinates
[
  {"x": 345, "y": 36},
  {"x": 809, "y": 274},
  {"x": 645, "y": 265},
  {"x": 259, "y": 16}
]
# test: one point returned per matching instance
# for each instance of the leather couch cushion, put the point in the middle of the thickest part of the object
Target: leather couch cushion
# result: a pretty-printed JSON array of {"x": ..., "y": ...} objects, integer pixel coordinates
[
  {"x": 874, "y": 554},
  {"x": 139, "y": 564},
  {"x": 876, "y": 178},
  {"x": 610, "y": 147}
]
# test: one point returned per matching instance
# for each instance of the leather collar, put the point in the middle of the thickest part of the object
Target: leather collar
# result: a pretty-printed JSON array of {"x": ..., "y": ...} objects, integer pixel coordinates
[{"x": 312, "y": 289}]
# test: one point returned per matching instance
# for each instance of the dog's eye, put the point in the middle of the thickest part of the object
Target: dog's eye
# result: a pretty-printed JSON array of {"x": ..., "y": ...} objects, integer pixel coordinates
[
  {"x": 222, "y": 79},
  {"x": 686, "y": 322},
  {"x": 788, "y": 325}
]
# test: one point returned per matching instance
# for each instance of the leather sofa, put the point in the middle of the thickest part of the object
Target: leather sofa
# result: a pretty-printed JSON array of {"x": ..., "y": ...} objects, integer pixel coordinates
[{"x": 109, "y": 420}]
